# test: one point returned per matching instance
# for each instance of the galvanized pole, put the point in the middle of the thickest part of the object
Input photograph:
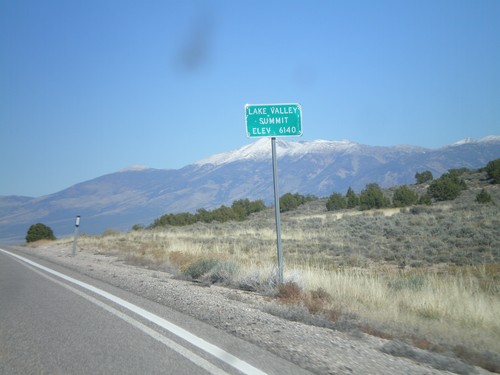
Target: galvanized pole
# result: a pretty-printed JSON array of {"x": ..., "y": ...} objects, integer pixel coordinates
[
  {"x": 277, "y": 210},
  {"x": 77, "y": 225}
]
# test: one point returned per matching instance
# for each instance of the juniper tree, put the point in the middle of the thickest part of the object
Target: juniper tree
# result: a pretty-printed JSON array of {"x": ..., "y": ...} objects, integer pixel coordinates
[
  {"x": 372, "y": 196},
  {"x": 352, "y": 198}
]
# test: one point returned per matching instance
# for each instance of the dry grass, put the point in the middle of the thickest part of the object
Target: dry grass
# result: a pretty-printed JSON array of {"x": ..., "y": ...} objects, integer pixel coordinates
[
  {"x": 440, "y": 307},
  {"x": 429, "y": 276},
  {"x": 38, "y": 243}
]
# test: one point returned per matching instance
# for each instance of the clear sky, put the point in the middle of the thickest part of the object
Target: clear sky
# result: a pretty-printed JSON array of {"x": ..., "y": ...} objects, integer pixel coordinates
[{"x": 91, "y": 87}]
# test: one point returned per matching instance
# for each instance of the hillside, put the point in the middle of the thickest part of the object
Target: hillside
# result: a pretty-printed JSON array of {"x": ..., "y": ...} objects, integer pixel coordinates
[
  {"x": 460, "y": 231},
  {"x": 120, "y": 200}
]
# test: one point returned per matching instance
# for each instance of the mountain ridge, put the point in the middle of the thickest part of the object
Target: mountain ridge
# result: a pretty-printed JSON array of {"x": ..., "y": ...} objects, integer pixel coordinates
[
  {"x": 260, "y": 149},
  {"x": 138, "y": 195}
]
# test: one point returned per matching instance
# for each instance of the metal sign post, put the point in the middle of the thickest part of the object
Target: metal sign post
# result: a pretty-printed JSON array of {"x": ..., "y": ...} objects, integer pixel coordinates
[
  {"x": 77, "y": 225},
  {"x": 277, "y": 210},
  {"x": 274, "y": 120}
]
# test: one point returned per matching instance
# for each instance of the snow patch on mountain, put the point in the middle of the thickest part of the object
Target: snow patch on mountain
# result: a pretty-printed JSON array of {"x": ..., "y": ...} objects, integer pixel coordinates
[
  {"x": 464, "y": 141},
  {"x": 468, "y": 140},
  {"x": 261, "y": 150},
  {"x": 133, "y": 168},
  {"x": 490, "y": 138}
]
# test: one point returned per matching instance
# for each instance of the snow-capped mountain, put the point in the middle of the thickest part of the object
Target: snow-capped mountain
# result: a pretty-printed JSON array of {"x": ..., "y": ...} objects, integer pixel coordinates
[
  {"x": 138, "y": 195},
  {"x": 468, "y": 140},
  {"x": 261, "y": 149}
]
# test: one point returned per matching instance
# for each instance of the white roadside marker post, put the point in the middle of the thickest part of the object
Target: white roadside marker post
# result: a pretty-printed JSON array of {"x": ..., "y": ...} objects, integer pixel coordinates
[{"x": 77, "y": 225}]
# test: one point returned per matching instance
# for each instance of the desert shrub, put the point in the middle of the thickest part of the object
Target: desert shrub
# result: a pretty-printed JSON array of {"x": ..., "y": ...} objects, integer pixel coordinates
[
  {"x": 318, "y": 300},
  {"x": 38, "y": 232},
  {"x": 415, "y": 282},
  {"x": 180, "y": 259},
  {"x": 423, "y": 177},
  {"x": 336, "y": 201},
  {"x": 404, "y": 196},
  {"x": 372, "y": 196},
  {"x": 483, "y": 197},
  {"x": 289, "y": 293},
  {"x": 110, "y": 232},
  {"x": 222, "y": 272},
  {"x": 200, "y": 267},
  {"x": 260, "y": 281},
  {"x": 493, "y": 171},
  {"x": 250, "y": 282}
]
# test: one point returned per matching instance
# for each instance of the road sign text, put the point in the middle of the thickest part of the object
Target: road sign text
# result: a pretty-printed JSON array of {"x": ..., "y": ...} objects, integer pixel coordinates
[{"x": 273, "y": 120}]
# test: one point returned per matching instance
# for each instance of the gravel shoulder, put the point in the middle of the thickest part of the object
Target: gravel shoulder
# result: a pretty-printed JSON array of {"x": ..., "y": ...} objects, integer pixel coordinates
[{"x": 244, "y": 314}]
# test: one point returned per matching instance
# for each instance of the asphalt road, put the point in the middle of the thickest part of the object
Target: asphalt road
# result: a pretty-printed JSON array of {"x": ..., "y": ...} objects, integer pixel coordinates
[{"x": 55, "y": 321}]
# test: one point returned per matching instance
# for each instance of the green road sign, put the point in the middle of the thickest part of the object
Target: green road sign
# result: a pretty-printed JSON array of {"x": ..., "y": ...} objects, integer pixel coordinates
[{"x": 273, "y": 120}]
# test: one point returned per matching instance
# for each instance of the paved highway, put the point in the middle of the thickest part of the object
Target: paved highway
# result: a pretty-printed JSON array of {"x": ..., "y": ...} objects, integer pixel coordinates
[{"x": 55, "y": 321}]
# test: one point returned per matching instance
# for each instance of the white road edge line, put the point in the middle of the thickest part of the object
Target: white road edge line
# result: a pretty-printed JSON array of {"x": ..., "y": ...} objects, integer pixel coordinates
[
  {"x": 196, "y": 359},
  {"x": 214, "y": 350}
]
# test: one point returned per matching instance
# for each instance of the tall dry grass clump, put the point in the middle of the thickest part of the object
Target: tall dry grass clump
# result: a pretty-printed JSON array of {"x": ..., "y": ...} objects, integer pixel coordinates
[{"x": 435, "y": 304}]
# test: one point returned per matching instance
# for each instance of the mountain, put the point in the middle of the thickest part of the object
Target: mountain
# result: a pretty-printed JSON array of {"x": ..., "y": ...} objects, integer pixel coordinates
[{"x": 139, "y": 195}]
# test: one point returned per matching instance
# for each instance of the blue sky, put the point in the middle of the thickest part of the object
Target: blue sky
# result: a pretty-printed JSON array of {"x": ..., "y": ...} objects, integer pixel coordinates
[{"x": 91, "y": 87}]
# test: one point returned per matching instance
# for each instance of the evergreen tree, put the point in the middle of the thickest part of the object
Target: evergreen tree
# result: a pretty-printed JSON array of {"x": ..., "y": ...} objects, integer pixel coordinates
[
  {"x": 493, "y": 171},
  {"x": 483, "y": 197},
  {"x": 244, "y": 208},
  {"x": 352, "y": 198},
  {"x": 423, "y": 177},
  {"x": 336, "y": 201},
  {"x": 291, "y": 201},
  {"x": 447, "y": 187},
  {"x": 425, "y": 199},
  {"x": 239, "y": 210},
  {"x": 204, "y": 215},
  {"x": 372, "y": 196},
  {"x": 223, "y": 214},
  {"x": 404, "y": 196},
  {"x": 39, "y": 231}
]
